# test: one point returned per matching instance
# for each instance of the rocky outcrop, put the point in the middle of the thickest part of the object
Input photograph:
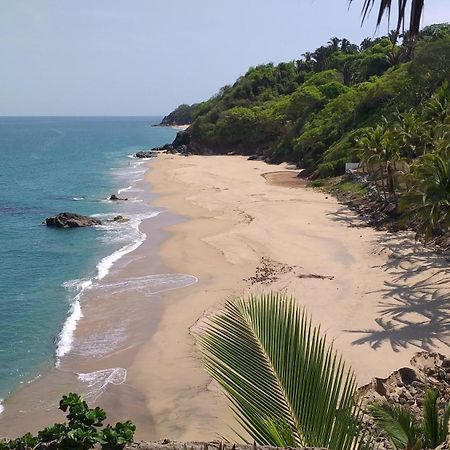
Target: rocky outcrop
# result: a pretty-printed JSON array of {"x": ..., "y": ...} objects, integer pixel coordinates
[
  {"x": 146, "y": 154},
  {"x": 407, "y": 387},
  {"x": 115, "y": 198},
  {"x": 215, "y": 445},
  {"x": 71, "y": 220},
  {"x": 120, "y": 219},
  {"x": 182, "y": 138}
]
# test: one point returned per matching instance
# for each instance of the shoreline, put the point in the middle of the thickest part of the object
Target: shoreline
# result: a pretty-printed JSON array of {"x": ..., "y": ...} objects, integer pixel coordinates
[
  {"x": 354, "y": 280},
  {"x": 94, "y": 347},
  {"x": 181, "y": 127}
]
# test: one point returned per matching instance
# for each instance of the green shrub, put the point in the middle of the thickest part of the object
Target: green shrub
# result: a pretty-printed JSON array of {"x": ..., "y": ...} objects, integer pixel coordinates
[{"x": 82, "y": 431}]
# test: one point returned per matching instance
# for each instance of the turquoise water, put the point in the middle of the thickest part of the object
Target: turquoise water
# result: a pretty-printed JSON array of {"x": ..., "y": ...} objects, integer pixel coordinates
[{"x": 51, "y": 165}]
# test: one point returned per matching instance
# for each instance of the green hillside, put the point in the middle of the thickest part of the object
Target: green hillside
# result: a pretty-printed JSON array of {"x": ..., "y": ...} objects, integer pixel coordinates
[
  {"x": 383, "y": 104},
  {"x": 312, "y": 111}
]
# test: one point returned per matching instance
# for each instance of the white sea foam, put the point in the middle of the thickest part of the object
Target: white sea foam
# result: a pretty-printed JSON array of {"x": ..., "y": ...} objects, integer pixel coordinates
[
  {"x": 2, "y": 408},
  {"x": 104, "y": 266},
  {"x": 100, "y": 344},
  {"x": 98, "y": 381},
  {"x": 125, "y": 189},
  {"x": 127, "y": 233},
  {"x": 150, "y": 284},
  {"x": 65, "y": 338}
]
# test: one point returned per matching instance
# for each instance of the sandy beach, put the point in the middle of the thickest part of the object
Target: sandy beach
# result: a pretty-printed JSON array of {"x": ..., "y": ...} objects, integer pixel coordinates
[{"x": 380, "y": 297}]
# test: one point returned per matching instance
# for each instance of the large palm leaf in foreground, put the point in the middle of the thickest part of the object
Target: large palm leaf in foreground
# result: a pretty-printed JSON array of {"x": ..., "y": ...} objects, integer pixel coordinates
[
  {"x": 416, "y": 10},
  {"x": 286, "y": 384}
]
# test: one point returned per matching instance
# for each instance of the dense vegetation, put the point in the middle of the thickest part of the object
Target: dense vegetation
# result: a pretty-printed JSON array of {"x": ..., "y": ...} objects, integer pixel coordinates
[
  {"x": 311, "y": 111},
  {"x": 84, "y": 430},
  {"x": 182, "y": 115}
]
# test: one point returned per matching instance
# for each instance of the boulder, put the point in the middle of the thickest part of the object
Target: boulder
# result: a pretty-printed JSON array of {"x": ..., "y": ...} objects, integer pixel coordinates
[
  {"x": 71, "y": 220},
  {"x": 182, "y": 138},
  {"x": 120, "y": 219},
  {"x": 114, "y": 198},
  {"x": 145, "y": 154}
]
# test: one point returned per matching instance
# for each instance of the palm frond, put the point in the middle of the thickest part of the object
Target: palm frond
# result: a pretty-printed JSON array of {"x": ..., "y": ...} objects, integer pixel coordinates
[
  {"x": 398, "y": 424},
  {"x": 444, "y": 424},
  {"x": 431, "y": 428},
  {"x": 385, "y": 8},
  {"x": 286, "y": 384}
]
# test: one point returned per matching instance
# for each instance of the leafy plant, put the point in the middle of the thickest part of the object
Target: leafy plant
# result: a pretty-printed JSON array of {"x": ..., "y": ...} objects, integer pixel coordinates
[
  {"x": 286, "y": 384},
  {"x": 408, "y": 432},
  {"x": 428, "y": 201},
  {"x": 83, "y": 430}
]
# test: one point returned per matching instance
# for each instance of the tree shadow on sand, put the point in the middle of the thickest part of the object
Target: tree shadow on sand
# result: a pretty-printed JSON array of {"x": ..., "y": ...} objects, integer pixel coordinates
[
  {"x": 346, "y": 216},
  {"x": 415, "y": 305}
]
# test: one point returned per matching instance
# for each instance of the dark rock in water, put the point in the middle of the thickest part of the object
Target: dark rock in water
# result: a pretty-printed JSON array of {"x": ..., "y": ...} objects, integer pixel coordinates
[
  {"x": 145, "y": 154},
  {"x": 71, "y": 220},
  {"x": 182, "y": 138},
  {"x": 114, "y": 197},
  {"x": 120, "y": 219}
]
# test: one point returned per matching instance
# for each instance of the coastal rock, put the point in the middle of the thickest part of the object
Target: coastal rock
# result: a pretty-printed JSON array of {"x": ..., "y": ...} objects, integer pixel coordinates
[
  {"x": 71, "y": 220},
  {"x": 120, "y": 219},
  {"x": 145, "y": 154},
  {"x": 183, "y": 149},
  {"x": 407, "y": 386},
  {"x": 114, "y": 198},
  {"x": 182, "y": 138}
]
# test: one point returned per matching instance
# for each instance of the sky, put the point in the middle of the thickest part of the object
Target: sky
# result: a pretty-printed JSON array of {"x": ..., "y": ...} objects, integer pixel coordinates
[{"x": 145, "y": 57}]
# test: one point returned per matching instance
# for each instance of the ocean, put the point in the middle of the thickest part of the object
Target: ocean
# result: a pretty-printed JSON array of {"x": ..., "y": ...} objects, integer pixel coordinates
[{"x": 50, "y": 165}]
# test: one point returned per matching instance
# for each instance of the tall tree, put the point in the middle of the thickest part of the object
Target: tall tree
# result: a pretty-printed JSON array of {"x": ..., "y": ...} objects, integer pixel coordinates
[{"x": 385, "y": 8}]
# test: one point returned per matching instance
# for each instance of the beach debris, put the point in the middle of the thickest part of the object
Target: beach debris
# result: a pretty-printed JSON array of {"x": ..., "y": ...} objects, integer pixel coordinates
[
  {"x": 268, "y": 271},
  {"x": 167, "y": 444},
  {"x": 315, "y": 275},
  {"x": 71, "y": 220},
  {"x": 114, "y": 197}
]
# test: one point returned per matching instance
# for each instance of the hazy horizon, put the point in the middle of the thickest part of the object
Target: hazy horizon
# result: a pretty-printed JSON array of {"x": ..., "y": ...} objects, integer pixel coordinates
[{"x": 112, "y": 59}]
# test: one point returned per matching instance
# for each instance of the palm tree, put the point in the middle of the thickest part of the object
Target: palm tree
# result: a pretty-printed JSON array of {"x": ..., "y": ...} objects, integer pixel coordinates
[
  {"x": 286, "y": 384},
  {"x": 380, "y": 153},
  {"x": 385, "y": 7},
  {"x": 428, "y": 201},
  {"x": 413, "y": 134},
  {"x": 408, "y": 432},
  {"x": 334, "y": 44}
]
